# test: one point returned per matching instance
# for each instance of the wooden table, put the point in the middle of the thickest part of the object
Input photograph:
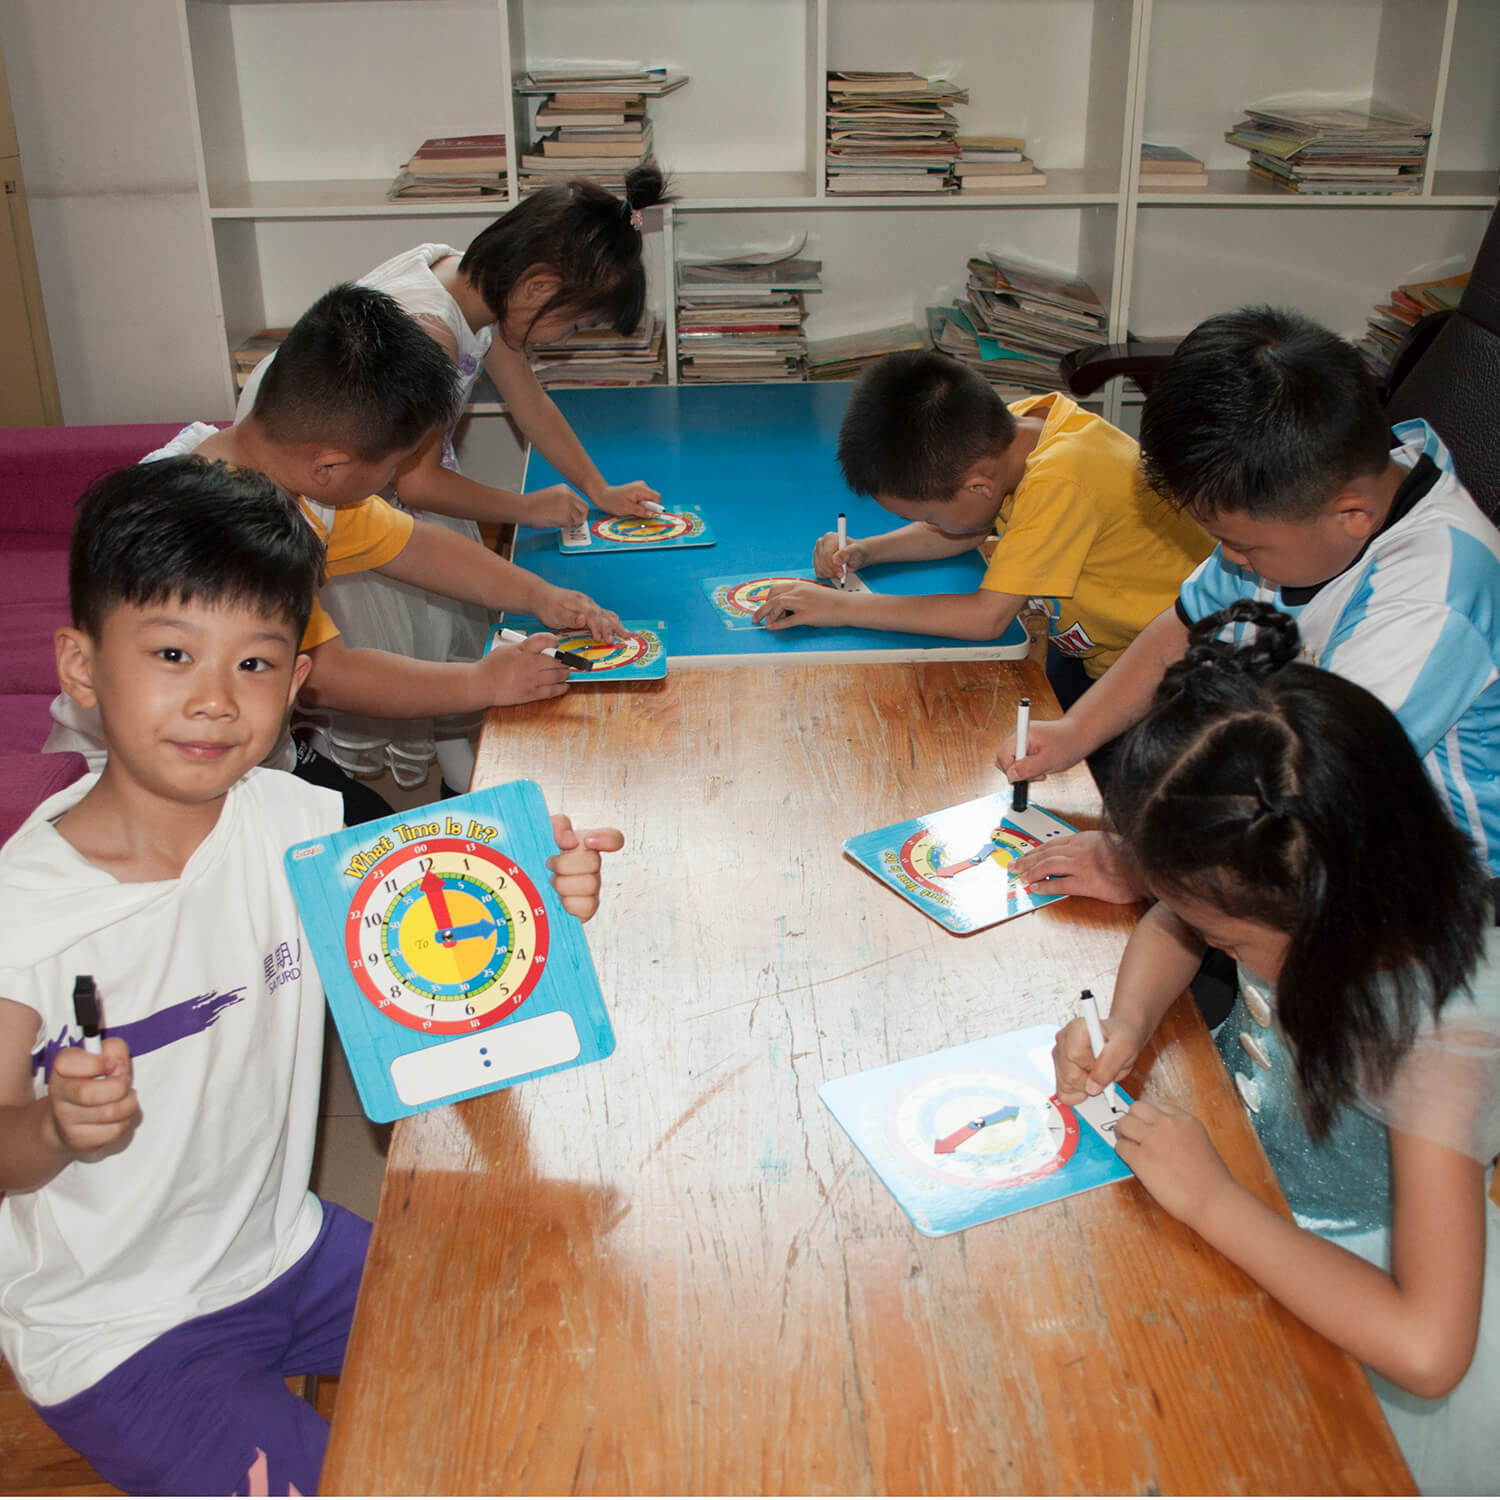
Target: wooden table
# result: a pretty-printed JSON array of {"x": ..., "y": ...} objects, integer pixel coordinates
[{"x": 673, "y": 1273}]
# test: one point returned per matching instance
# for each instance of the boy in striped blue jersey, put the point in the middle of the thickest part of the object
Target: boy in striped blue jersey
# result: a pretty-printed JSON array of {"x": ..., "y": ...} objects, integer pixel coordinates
[{"x": 1267, "y": 429}]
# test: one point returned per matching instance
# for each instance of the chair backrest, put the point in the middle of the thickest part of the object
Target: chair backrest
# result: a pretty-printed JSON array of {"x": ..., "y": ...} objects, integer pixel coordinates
[{"x": 1455, "y": 382}]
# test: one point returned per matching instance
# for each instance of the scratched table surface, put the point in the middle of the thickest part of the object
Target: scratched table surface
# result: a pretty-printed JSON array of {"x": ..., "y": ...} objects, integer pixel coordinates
[{"x": 672, "y": 1272}]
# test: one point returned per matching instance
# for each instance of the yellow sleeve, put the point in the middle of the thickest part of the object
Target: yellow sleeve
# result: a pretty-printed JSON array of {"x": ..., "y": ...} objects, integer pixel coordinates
[
  {"x": 1046, "y": 541},
  {"x": 367, "y": 535},
  {"x": 320, "y": 628}
]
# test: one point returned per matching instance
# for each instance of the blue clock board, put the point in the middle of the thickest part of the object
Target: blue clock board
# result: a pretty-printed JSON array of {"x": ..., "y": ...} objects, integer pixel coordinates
[
  {"x": 973, "y": 1132},
  {"x": 955, "y": 865},
  {"x": 450, "y": 965},
  {"x": 640, "y": 655}
]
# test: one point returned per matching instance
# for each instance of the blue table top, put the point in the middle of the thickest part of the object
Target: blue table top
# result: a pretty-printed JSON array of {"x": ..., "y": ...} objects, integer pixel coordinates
[{"x": 759, "y": 460}]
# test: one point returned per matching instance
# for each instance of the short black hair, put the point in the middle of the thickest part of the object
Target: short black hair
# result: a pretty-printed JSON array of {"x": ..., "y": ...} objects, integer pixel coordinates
[
  {"x": 1283, "y": 794},
  {"x": 1262, "y": 410},
  {"x": 188, "y": 528},
  {"x": 582, "y": 232},
  {"x": 356, "y": 370},
  {"x": 916, "y": 423}
]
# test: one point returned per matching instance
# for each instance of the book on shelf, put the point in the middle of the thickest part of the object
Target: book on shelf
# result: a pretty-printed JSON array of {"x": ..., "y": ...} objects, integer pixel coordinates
[
  {"x": 740, "y": 317},
  {"x": 1388, "y": 323},
  {"x": 633, "y": 146},
  {"x": 569, "y": 118},
  {"x": 1031, "y": 176},
  {"x": 1168, "y": 160},
  {"x": 650, "y": 83},
  {"x": 843, "y": 356},
  {"x": 1340, "y": 187},
  {"x": 249, "y": 352},
  {"x": 409, "y": 185},
  {"x": 600, "y": 356},
  {"x": 891, "y": 132},
  {"x": 472, "y": 154},
  {"x": 1306, "y": 146}
]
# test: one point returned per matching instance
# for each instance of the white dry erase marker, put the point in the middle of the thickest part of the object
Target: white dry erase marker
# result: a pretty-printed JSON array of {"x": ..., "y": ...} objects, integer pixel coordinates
[
  {"x": 571, "y": 660},
  {"x": 843, "y": 542},
  {"x": 1090, "y": 1008},
  {"x": 653, "y": 507},
  {"x": 1020, "y": 790},
  {"x": 86, "y": 1012}
]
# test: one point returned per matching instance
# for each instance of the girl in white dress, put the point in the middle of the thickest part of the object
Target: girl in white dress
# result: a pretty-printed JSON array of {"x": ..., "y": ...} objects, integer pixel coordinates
[
  {"x": 1280, "y": 814},
  {"x": 567, "y": 257}
]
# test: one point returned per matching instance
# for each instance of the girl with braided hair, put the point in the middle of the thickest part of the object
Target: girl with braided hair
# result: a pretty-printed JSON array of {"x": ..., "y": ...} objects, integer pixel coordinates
[{"x": 1280, "y": 813}]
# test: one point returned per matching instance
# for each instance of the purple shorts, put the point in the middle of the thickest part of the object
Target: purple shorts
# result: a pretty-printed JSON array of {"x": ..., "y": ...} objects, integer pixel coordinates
[{"x": 204, "y": 1409}]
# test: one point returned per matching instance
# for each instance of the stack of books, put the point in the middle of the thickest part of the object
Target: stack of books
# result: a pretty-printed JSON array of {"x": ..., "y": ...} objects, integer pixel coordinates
[
  {"x": 591, "y": 122},
  {"x": 1390, "y": 322},
  {"x": 602, "y": 357},
  {"x": 995, "y": 164},
  {"x": 249, "y": 352},
  {"x": 453, "y": 166},
  {"x": 843, "y": 357},
  {"x": 1017, "y": 321},
  {"x": 740, "y": 319},
  {"x": 892, "y": 133},
  {"x": 1334, "y": 150},
  {"x": 1169, "y": 167}
]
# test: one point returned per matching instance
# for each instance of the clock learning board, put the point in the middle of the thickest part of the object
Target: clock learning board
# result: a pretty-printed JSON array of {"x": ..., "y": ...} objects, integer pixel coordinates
[
  {"x": 955, "y": 865},
  {"x": 450, "y": 965},
  {"x": 974, "y": 1132},
  {"x": 736, "y": 599},
  {"x": 683, "y": 526},
  {"x": 640, "y": 655}
]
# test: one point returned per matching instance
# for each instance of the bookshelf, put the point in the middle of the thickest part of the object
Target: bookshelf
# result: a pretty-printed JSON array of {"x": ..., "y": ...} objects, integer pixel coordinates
[{"x": 291, "y": 151}]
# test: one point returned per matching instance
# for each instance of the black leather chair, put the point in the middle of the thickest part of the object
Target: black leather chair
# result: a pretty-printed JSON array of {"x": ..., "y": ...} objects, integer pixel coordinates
[{"x": 1446, "y": 370}]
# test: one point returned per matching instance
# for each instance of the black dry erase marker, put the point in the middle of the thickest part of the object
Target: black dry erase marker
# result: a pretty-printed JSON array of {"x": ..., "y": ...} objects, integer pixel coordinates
[
  {"x": 86, "y": 1011},
  {"x": 1020, "y": 790}
]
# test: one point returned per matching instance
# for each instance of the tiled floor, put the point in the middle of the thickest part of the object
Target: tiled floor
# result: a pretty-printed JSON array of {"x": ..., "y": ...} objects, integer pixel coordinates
[{"x": 351, "y": 1151}]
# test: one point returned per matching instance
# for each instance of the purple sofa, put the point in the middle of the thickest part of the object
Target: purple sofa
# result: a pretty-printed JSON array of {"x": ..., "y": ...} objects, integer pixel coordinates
[{"x": 43, "y": 471}]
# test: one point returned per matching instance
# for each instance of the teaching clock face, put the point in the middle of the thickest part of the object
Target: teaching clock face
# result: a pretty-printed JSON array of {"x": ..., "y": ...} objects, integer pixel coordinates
[
  {"x": 996, "y": 1129},
  {"x": 604, "y": 656},
  {"x": 663, "y": 528},
  {"x": 446, "y": 935}
]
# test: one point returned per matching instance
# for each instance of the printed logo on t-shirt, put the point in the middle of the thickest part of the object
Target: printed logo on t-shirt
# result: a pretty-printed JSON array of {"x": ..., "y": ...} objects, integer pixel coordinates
[{"x": 1074, "y": 641}]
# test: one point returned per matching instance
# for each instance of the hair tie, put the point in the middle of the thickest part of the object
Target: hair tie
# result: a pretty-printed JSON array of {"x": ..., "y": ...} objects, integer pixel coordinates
[
  {"x": 637, "y": 219},
  {"x": 1270, "y": 807}
]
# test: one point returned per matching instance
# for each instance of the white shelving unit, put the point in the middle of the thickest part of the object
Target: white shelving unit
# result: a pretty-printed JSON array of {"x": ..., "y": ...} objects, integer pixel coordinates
[{"x": 298, "y": 113}]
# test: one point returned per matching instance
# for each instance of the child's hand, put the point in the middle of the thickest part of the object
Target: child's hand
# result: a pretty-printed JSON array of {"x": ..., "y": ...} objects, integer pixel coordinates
[
  {"x": 93, "y": 1096},
  {"x": 1082, "y": 864},
  {"x": 1079, "y": 1073},
  {"x": 1050, "y": 746},
  {"x": 567, "y": 609},
  {"x": 1171, "y": 1154},
  {"x": 628, "y": 499},
  {"x": 523, "y": 673},
  {"x": 829, "y": 560},
  {"x": 802, "y": 603},
  {"x": 556, "y": 505},
  {"x": 575, "y": 872}
]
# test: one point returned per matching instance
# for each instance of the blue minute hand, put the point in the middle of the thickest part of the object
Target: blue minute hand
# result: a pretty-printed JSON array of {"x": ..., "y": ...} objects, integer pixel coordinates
[{"x": 447, "y": 936}]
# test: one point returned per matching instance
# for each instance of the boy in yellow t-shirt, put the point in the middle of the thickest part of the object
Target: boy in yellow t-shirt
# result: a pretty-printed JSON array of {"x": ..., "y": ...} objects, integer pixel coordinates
[{"x": 1078, "y": 528}]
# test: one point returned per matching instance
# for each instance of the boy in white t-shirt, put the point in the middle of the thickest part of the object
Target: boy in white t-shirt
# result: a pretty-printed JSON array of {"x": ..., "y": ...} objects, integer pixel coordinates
[{"x": 164, "y": 1265}]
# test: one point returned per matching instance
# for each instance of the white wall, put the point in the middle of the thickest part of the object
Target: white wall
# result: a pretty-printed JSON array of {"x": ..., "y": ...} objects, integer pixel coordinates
[{"x": 107, "y": 146}]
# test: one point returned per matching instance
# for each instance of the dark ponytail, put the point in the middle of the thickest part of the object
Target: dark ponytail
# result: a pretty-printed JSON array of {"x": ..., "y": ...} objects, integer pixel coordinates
[
  {"x": 584, "y": 233},
  {"x": 1282, "y": 794}
]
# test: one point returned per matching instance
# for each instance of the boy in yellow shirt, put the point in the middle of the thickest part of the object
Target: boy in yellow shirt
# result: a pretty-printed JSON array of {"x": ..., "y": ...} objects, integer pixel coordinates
[{"x": 1078, "y": 528}]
